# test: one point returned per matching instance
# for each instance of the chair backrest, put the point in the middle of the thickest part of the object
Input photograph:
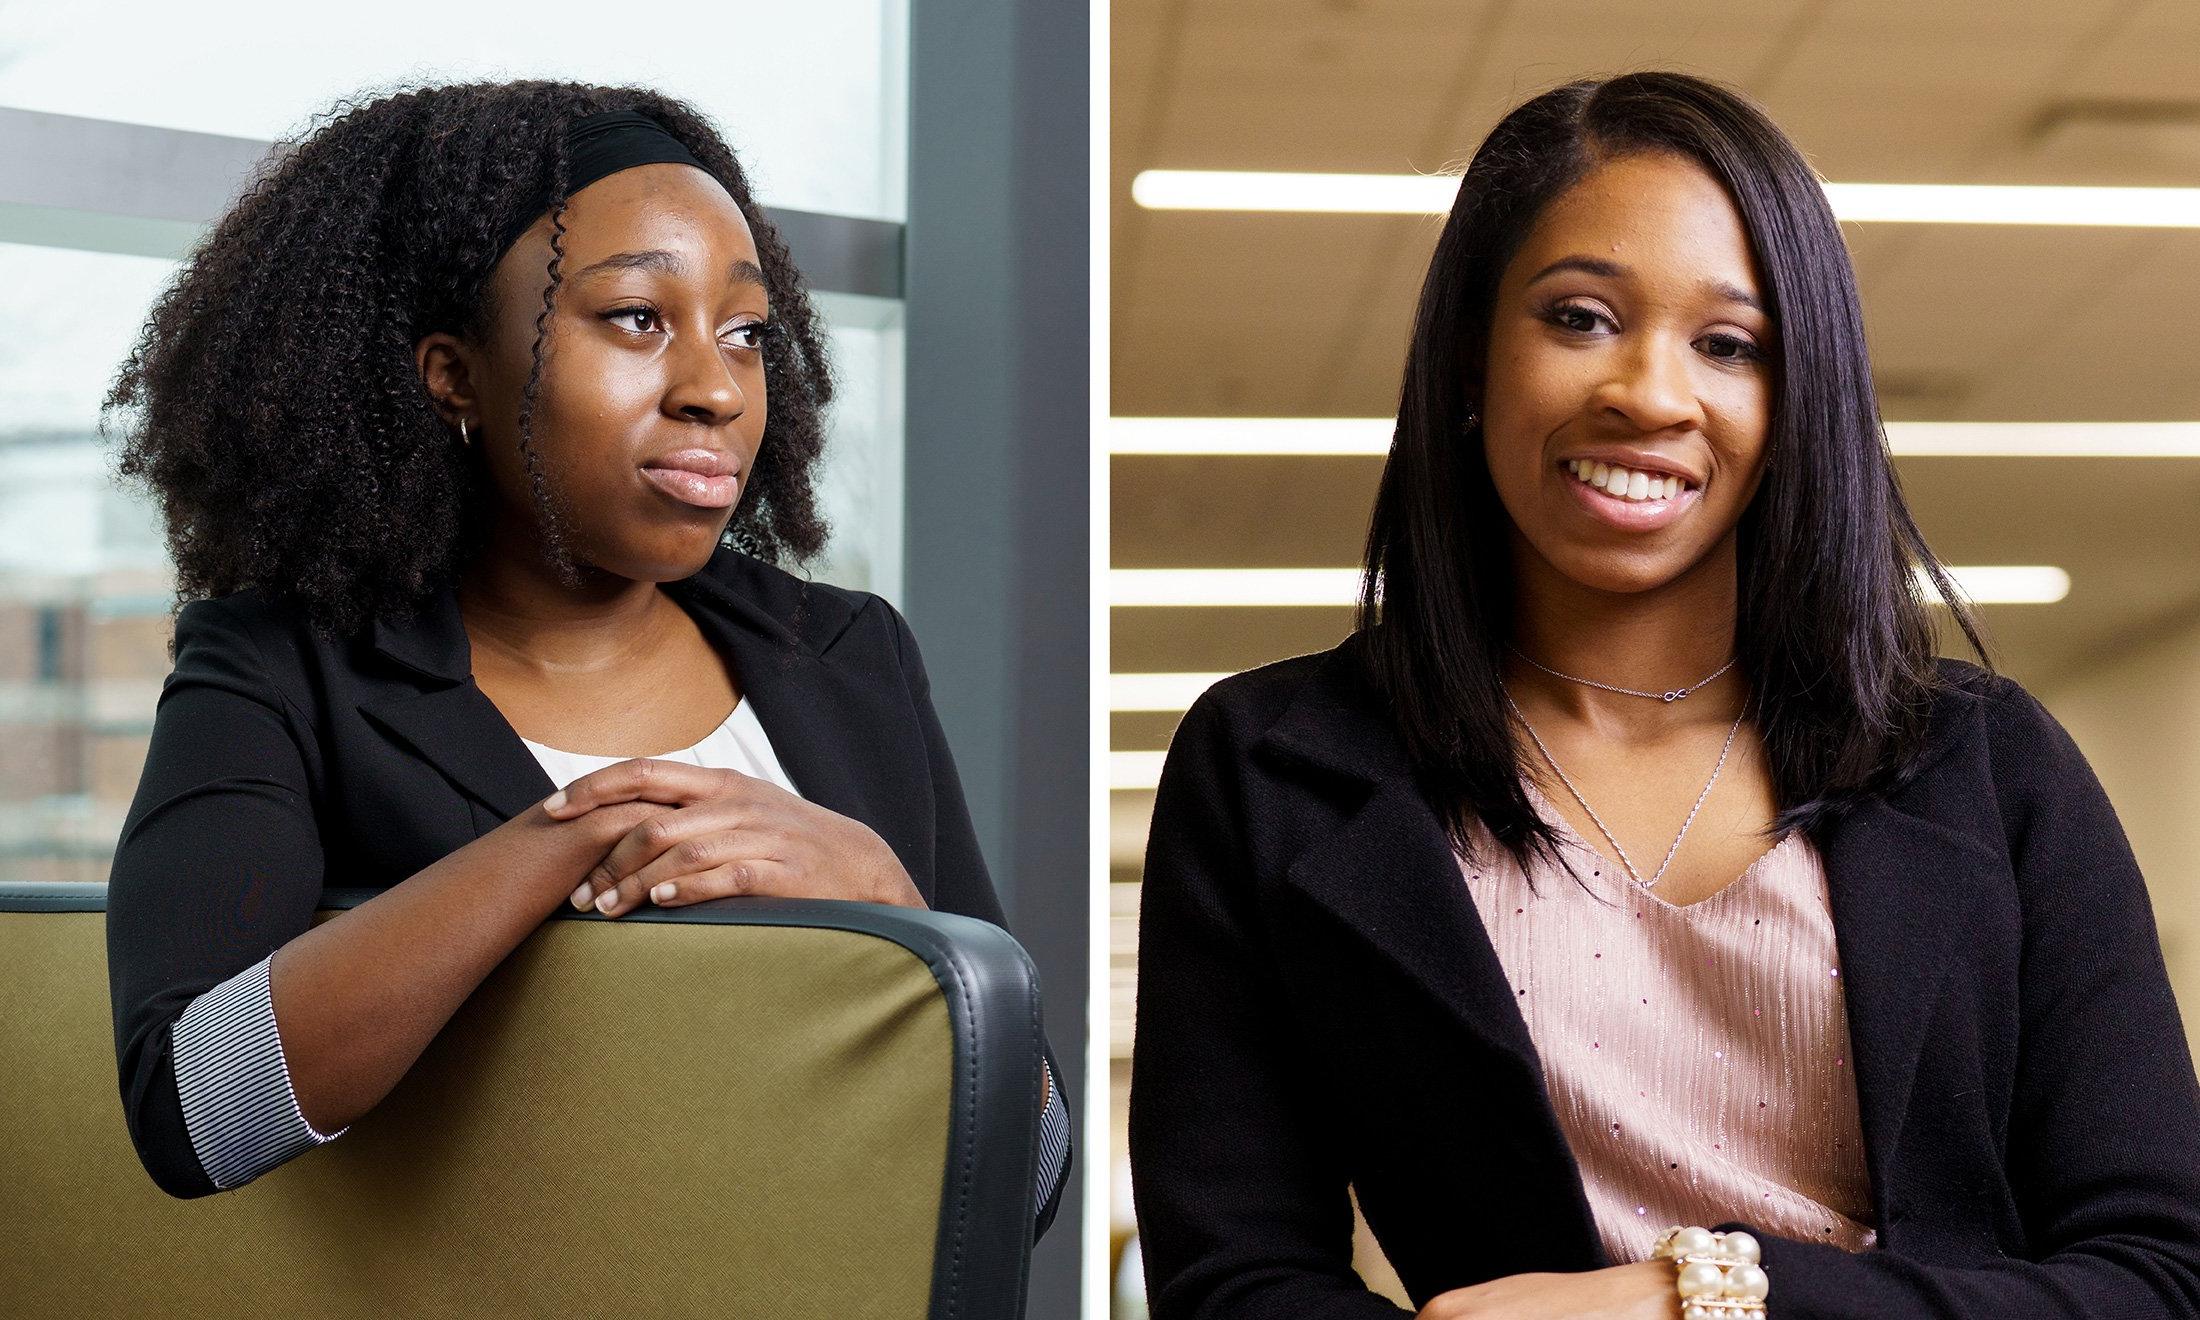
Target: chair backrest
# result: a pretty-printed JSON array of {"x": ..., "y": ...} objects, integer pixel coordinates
[{"x": 753, "y": 1107}]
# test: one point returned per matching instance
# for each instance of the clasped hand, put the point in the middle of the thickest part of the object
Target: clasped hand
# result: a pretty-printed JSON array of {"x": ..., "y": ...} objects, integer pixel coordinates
[
  {"x": 1642, "y": 1290},
  {"x": 729, "y": 834}
]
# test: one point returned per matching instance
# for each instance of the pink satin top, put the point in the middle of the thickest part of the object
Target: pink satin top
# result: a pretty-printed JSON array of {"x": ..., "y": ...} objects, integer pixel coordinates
[{"x": 1698, "y": 1055}]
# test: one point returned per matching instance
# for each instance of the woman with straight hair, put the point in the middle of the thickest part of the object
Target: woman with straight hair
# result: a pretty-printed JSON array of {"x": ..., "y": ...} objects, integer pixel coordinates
[
  {"x": 458, "y": 421},
  {"x": 1634, "y": 913}
]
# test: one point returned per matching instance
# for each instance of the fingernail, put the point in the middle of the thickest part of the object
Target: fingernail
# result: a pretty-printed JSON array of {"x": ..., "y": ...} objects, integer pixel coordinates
[
  {"x": 554, "y": 801},
  {"x": 582, "y": 897},
  {"x": 607, "y": 900},
  {"x": 664, "y": 893}
]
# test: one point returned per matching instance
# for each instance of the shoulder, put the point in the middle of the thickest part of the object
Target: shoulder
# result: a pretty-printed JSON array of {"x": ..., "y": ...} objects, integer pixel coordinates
[
  {"x": 1258, "y": 727},
  {"x": 248, "y": 627},
  {"x": 1250, "y": 702},
  {"x": 850, "y": 626},
  {"x": 251, "y": 612},
  {"x": 2023, "y": 760},
  {"x": 1268, "y": 688},
  {"x": 2009, "y": 722},
  {"x": 781, "y": 593}
]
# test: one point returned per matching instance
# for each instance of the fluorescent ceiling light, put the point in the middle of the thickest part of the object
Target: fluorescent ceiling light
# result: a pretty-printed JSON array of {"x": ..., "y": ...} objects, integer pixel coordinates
[
  {"x": 2005, "y": 204},
  {"x": 1134, "y": 770},
  {"x": 2045, "y": 439},
  {"x": 1251, "y": 190},
  {"x": 1233, "y": 586},
  {"x": 1370, "y": 437},
  {"x": 1909, "y": 203},
  {"x": 1331, "y": 588},
  {"x": 2006, "y": 584},
  {"x": 1135, "y": 692},
  {"x": 1266, "y": 436}
]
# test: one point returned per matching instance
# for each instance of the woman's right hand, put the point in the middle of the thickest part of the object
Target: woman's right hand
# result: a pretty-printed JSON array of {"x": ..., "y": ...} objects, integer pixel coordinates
[{"x": 1641, "y": 1290}]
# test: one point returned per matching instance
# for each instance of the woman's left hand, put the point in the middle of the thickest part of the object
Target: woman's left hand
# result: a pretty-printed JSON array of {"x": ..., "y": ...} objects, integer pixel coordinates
[
  {"x": 732, "y": 834},
  {"x": 1642, "y": 1290}
]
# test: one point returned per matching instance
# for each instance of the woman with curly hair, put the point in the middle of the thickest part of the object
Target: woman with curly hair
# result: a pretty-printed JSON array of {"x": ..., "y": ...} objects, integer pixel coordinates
[
  {"x": 459, "y": 424},
  {"x": 1635, "y": 912}
]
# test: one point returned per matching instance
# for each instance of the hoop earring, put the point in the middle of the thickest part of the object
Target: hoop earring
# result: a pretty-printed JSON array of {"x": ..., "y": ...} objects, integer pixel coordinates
[{"x": 463, "y": 438}]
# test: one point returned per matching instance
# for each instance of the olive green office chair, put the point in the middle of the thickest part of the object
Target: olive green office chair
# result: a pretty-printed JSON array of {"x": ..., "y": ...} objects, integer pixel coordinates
[{"x": 753, "y": 1107}]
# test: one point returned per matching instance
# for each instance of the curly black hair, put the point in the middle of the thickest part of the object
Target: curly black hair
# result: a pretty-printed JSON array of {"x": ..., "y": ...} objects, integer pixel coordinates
[{"x": 281, "y": 423}]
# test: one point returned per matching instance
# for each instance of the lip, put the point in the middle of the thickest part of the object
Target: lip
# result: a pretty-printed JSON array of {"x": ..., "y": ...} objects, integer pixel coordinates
[
  {"x": 1626, "y": 515},
  {"x": 1642, "y": 460},
  {"x": 694, "y": 488},
  {"x": 703, "y": 462}
]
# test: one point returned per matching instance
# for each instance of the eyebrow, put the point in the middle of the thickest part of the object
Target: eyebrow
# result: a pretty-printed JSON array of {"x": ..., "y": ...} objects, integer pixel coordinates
[
  {"x": 1612, "y": 270},
  {"x": 743, "y": 271}
]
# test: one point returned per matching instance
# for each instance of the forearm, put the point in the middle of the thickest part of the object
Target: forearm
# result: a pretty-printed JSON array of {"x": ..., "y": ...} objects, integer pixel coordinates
[
  {"x": 2126, "y": 1273},
  {"x": 361, "y": 995}
]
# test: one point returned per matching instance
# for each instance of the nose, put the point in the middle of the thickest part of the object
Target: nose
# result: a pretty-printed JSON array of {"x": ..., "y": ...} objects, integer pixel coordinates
[
  {"x": 705, "y": 387},
  {"x": 1652, "y": 385}
]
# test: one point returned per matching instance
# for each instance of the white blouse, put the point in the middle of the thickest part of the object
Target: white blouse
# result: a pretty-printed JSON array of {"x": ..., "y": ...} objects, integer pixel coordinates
[{"x": 736, "y": 744}]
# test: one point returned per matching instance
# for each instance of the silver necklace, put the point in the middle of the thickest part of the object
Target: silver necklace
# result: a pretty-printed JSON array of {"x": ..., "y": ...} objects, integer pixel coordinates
[
  {"x": 1675, "y": 695},
  {"x": 1624, "y": 861}
]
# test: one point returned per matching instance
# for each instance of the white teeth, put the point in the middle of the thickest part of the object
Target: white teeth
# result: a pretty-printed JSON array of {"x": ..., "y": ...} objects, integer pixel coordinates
[{"x": 1626, "y": 483}]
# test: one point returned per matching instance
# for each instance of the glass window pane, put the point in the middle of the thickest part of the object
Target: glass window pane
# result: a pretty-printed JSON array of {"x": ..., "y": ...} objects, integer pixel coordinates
[{"x": 813, "y": 96}]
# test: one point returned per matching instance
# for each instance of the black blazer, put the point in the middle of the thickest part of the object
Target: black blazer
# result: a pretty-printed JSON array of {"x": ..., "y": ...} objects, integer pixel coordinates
[
  {"x": 1319, "y": 1004},
  {"x": 281, "y": 763}
]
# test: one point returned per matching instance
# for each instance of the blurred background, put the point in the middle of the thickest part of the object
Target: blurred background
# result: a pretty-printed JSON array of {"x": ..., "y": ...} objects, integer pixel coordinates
[
  {"x": 941, "y": 220},
  {"x": 2041, "y": 379}
]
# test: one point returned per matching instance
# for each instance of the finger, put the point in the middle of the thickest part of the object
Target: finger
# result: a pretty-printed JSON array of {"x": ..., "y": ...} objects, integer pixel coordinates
[
  {"x": 724, "y": 844},
  {"x": 674, "y": 843},
  {"x": 691, "y": 854},
  {"x": 643, "y": 779},
  {"x": 733, "y": 879},
  {"x": 612, "y": 879},
  {"x": 720, "y": 865}
]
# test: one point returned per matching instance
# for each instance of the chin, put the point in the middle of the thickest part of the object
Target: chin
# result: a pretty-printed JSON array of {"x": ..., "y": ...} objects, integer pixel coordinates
[{"x": 1619, "y": 574}]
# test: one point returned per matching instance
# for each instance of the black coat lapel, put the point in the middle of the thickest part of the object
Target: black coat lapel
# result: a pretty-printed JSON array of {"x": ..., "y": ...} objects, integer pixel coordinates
[
  {"x": 445, "y": 718},
  {"x": 1903, "y": 889},
  {"x": 1386, "y": 869}
]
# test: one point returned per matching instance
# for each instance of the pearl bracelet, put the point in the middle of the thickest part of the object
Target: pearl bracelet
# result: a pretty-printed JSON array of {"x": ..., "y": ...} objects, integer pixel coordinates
[{"x": 1719, "y": 1274}]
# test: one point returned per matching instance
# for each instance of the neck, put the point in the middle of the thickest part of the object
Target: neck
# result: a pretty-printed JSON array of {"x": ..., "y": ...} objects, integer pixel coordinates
[
  {"x": 1668, "y": 637},
  {"x": 519, "y": 616}
]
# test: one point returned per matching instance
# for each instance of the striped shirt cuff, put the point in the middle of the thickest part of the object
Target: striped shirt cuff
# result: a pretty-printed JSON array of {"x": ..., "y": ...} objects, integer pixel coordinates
[
  {"x": 234, "y": 1084},
  {"x": 1053, "y": 1141}
]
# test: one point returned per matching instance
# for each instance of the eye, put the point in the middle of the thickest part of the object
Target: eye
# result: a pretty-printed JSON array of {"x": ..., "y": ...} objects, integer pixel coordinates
[
  {"x": 649, "y": 312},
  {"x": 755, "y": 333},
  {"x": 1744, "y": 351},
  {"x": 1562, "y": 314}
]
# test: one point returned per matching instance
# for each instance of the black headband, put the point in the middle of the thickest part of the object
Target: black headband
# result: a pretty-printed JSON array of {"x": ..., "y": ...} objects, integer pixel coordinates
[{"x": 600, "y": 144}]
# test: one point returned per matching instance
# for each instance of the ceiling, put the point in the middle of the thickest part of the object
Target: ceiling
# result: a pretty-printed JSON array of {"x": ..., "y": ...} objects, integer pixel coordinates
[{"x": 1234, "y": 314}]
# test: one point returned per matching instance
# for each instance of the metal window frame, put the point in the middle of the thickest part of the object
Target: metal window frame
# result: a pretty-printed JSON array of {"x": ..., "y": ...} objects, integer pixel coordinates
[
  {"x": 997, "y": 482},
  {"x": 102, "y": 185}
]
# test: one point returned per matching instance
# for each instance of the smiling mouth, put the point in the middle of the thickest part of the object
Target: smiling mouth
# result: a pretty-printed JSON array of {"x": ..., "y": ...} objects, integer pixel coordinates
[{"x": 1629, "y": 484}]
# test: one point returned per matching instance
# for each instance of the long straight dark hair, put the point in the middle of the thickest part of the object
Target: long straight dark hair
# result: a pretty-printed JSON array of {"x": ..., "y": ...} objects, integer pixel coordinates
[{"x": 1835, "y": 635}]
